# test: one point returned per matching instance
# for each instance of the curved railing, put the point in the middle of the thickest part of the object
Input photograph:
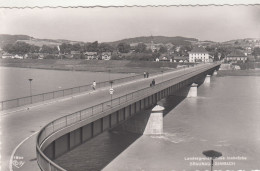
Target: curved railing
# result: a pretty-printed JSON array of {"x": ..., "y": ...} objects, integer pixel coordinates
[{"x": 48, "y": 165}]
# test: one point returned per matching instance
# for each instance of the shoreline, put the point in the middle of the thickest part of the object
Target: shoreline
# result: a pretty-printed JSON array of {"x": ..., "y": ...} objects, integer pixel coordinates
[{"x": 223, "y": 73}]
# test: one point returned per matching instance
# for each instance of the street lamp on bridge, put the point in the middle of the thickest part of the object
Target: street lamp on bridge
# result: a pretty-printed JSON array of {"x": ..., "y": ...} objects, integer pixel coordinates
[
  {"x": 30, "y": 80},
  {"x": 111, "y": 90}
]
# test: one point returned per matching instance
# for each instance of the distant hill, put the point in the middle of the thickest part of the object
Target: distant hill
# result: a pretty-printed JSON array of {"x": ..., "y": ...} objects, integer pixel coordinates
[
  {"x": 10, "y": 39},
  {"x": 243, "y": 42},
  {"x": 157, "y": 39},
  {"x": 6, "y": 38}
]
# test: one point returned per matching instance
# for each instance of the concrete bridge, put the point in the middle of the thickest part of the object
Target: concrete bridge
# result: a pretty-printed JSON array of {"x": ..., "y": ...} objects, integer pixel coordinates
[{"x": 68, "y": 132}]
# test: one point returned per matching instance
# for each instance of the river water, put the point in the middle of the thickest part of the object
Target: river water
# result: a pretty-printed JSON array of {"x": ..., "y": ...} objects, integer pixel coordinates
[
  {"x": 225, "y": 117},
  {"x": 14, "y": 82}
]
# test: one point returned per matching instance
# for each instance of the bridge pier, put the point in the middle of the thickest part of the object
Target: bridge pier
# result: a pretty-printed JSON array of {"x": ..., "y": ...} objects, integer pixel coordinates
[
  {"x": 154, "y": 125},
  {"x": 150, "y": 122},
  {"x": 193, "y": 90},
  {"x": 207, "y": 79}
]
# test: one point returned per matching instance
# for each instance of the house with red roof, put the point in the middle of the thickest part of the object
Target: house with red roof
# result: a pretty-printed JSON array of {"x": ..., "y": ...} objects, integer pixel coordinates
[{"x": 199, "y": 54}]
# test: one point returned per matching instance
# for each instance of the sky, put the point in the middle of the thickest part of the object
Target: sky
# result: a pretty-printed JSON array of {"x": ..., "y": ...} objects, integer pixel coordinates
[{"x": 215, "y": 23}]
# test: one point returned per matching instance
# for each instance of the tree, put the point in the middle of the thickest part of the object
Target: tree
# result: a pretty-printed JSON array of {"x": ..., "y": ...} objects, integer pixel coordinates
[
  {"x": 140, "y": 48},
  {"x": 65, "y": 48},
  {"x": 163, "y": 49},
  {"x": 123, "y": 47},
  {"x": 91, "y": 47},
  {"x": 184, "y": 50},
  {"x": 20, "y": 48},
  {"x": 34, "y": 49},
  {"x": 256, "y": 51},
  {"x": 8, "y": 48},
  {"x": 224, "y": 51},
  {"x": 76, "y": 47},
  {"x": 48, "y": 49},
  {"x": 104, "y": 47}
]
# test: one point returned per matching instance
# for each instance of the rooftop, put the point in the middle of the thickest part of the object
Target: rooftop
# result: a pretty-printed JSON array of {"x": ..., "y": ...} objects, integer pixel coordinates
[
  {"x": 198, "y": 49},
  {"x": 236, "y": 53}
]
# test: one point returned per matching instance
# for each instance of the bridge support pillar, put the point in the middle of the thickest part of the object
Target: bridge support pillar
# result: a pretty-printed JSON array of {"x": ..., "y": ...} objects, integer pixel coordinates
[
  {"x": 215, "y": 72},
  {"x": 155, "y": 122},
  {"x": 207, "y": 79},
  {"x": 193, "y": 90}
]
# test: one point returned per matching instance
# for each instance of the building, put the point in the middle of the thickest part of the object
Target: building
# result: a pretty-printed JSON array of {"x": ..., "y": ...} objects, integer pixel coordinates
[
  {"x": 165, "y": 57},
  {"x": 75, "y": 54},
  {"x": 91, "y": 55},
  {"x": 249, "y": 50},
  {"x": 235, "y": 56},
  {"x": 7, "y": 55},
  {"x": 18, "y": 56},
  {"x": 198, "y": 54},
  {"x": 181, "y": 59},
  {"x": 106, "y": 55}
]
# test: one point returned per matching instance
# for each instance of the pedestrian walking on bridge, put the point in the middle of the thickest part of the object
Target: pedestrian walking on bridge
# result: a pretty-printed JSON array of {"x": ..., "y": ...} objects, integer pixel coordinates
[
  {"x": 94, "y": 85},
  {"x": 153, "y": 82}
]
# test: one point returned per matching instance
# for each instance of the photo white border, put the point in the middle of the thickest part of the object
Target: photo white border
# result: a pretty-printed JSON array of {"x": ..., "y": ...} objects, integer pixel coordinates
[{"x": 119, "y": 3}]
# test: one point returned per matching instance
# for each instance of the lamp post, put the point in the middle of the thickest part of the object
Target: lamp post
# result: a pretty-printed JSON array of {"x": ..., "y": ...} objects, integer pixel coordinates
[
  {"x": 30, "y": 80},
  {"x": 111, "y": 91}
]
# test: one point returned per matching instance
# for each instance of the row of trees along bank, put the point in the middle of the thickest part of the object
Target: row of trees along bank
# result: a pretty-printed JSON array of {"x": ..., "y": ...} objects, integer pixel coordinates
[{"x": 138, "y": 52}]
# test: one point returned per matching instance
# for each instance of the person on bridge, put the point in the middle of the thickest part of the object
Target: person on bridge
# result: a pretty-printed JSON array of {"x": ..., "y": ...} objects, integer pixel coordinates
[
  {"x": 94, "y": 85},
  {"x": 144, "y": 74},
  {"x": 147, "y": 74},
  {"x": 153, "y": 82}
]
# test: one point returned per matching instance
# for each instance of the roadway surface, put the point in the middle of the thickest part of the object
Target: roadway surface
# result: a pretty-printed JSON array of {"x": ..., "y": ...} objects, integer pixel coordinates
[{"x": 20, "y": 127}]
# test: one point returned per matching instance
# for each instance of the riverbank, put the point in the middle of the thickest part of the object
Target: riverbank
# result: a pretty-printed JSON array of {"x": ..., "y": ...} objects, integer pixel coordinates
[
  {"x": 117, "y": 66},
  {"x": 255, "y": 72}
]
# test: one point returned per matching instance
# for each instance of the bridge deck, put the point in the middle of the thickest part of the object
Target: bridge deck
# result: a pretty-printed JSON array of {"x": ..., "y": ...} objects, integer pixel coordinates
[{"x": 19, "y": 128}]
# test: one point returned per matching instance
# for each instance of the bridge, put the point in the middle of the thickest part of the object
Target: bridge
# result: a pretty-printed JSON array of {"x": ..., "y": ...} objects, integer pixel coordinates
[{"x": 88, "y": 114}]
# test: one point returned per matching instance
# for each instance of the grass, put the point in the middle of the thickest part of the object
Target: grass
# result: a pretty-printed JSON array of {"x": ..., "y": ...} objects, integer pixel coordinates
[{"x": 119, "y": 66}]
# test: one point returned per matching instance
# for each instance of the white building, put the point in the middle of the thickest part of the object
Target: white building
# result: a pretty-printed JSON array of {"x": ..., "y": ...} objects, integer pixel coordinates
[
  {"x": 106, "y": 55},
  {"x": 7, "y": 55},
  {"x": 91, "y": 55},
  {"x": 198, "y": 54}
]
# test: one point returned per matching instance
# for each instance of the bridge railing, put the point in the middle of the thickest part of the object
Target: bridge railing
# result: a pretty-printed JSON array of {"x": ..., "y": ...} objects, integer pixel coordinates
[
  {"x": 45, "y": 163},
  {"x": 17, "y": 102}
]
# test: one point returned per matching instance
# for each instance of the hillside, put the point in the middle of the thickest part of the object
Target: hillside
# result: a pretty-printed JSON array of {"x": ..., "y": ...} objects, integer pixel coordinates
[
  {"x": 10, "y": 39},
  {"x": 157, "y": 39},
  {"x": 6, "y": 38},
  {"x": 243, "y": 42}
]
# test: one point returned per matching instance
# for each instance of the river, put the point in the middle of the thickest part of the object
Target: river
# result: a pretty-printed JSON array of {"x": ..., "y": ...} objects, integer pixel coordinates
[
  {"x": 224, "y": 117},
  {"x": 14, "y": 82}
]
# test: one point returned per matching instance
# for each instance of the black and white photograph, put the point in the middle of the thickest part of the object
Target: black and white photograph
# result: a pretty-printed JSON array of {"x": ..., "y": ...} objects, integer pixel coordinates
[{"x": 130, "y": 88}]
